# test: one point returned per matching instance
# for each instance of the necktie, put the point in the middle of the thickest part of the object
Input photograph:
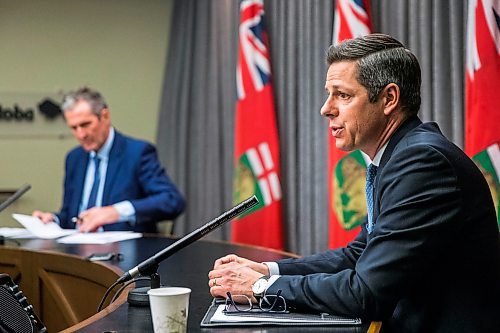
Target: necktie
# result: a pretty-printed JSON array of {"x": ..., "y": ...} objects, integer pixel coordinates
[
  {"x": 371, "y": 172},
  {"x": 95, "y": 185}
]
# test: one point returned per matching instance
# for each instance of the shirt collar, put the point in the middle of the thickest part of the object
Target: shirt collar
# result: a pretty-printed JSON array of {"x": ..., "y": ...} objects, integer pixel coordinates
[
  {"x": 103, "y": 153},
  {"x": 378, "y": 156}
]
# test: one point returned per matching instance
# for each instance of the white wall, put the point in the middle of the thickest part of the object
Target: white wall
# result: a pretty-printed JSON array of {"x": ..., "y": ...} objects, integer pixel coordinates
[{"x": 116, "y": 46}]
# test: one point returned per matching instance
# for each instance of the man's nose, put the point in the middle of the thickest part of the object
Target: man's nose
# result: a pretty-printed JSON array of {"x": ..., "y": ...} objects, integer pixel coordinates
[
  {"x": 80, "y": 132},
  {"x": 329, "y": 109}
]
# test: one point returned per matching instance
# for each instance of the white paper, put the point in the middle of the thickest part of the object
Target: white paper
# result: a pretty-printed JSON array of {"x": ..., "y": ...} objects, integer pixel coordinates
[
  {"x": 219, "y": 316},
  {"x": 42, "y": 230},
  {"x": 15, "y": 232},
  {"x": 99, "y": 237}
]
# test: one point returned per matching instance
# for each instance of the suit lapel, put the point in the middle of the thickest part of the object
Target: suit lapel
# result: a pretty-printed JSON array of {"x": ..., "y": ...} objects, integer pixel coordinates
[
  {"x": 114, "y": 162},
  {"x": 80, "y": 170},
  {"x": 406, "y": 127}
]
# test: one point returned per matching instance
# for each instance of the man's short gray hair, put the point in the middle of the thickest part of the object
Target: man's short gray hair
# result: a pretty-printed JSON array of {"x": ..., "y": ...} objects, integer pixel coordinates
[{"x": 93, "y": 97}]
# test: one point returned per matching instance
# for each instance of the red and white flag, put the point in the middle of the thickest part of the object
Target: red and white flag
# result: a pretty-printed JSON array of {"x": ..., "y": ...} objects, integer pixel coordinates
[
  {"x": 347, "y": 171},
  {"x": 257, "y": 164},
  {"x": 482, "y": 79}
]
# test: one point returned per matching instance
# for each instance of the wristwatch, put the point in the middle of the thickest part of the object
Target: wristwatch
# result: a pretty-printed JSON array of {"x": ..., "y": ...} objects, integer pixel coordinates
[{"x": 260, "y": 286}]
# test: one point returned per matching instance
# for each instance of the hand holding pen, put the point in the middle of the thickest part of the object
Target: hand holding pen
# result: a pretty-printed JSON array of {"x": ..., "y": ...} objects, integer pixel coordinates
[
  {"x": 76, "y": 220},
  {"x": 90, "y": 220}
]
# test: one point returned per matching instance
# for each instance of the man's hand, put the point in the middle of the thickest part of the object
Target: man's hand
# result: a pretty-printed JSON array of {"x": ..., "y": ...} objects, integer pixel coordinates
[
  {"x": 236, "y": 275},
  {"x": 256, "y": 266},
  {"x": 91, "y": 219},
  {"x": 44, "y": 216}
]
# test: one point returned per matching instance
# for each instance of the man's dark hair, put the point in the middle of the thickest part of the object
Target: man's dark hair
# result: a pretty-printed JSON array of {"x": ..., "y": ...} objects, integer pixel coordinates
[{"x": 381, "y": 60}]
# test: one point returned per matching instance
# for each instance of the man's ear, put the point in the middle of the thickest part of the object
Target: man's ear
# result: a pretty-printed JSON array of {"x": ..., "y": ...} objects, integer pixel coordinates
[
  {"x": 390, "y": 97},
  {"x": 105, "y": 114}
]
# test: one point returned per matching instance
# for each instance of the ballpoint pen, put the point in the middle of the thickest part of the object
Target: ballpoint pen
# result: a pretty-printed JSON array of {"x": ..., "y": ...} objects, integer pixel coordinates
[{"x": 76, "y": 219}]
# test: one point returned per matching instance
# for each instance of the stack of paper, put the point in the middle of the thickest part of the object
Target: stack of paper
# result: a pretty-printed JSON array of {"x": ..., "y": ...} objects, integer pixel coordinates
[
  {"x": 217, "y": 317},
  {"x": 15, "y": 233},
  {"x": 284, "y": 318},
  {"x": 52, "y": 230},
  {"x": 42, "y": 230},
  {"x": 99, "y": 237}
]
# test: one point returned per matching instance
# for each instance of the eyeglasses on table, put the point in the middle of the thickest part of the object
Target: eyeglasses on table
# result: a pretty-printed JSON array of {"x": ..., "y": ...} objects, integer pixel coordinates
[{"x": 268, "y": 303}]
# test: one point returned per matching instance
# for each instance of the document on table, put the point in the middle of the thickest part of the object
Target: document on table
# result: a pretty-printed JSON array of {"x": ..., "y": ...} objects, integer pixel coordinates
[
  {"x": 42, "y": 230},
  {"x": 99, "y": 237},
  {"x": 52, "y": 230},
  {"x": 15, "y": 232},
  {"x": 216, "y": 317},
  {"x": 273, "y": 317}
]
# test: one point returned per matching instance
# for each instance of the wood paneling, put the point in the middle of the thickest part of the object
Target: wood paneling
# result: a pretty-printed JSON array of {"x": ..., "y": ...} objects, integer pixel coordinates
[{"x": 63, "y": 289}]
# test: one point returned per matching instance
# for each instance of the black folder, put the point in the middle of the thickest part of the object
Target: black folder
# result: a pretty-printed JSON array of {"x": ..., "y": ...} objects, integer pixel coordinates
[{"x": 259, "y": 318}]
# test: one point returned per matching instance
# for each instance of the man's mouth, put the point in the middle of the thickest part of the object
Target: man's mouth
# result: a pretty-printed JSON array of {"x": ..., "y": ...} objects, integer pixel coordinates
[
  {"x": 87, "y": 145},
  {"x": 336, "y": 130}
]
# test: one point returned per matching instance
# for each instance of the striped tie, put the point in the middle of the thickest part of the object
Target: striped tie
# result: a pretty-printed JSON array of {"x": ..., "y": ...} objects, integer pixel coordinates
[{"x": 371, "y": 172}]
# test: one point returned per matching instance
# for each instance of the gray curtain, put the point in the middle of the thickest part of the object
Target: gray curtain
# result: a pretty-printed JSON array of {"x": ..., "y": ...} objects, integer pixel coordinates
[{"x": 196, "y": 122}]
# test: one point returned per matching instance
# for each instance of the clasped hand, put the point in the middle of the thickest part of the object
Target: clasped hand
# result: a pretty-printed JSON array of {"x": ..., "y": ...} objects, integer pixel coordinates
[{"x": 235, "y": 275}]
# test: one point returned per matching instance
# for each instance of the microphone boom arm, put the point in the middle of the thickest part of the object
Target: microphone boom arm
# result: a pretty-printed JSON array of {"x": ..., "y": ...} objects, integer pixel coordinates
[
  {"x": 150, "y": 265},
  {"x": 23, "y": 189}
]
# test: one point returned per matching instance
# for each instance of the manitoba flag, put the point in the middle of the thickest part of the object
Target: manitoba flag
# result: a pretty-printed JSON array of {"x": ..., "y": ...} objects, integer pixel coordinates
[
  {"x": 347, "y": 171},
  {"x": 257, "y": 167},
  {"x": 482, "y": 114}
]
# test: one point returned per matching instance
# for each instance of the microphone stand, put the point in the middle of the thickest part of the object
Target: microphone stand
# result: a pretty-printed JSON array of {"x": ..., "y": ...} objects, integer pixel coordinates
[
  {"x": 23, "y": 189},
  {"x": 139, "y": 296},
  {"x": 149, "y": 267}
]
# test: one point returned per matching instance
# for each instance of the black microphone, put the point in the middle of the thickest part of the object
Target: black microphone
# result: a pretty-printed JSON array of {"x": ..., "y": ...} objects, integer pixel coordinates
[
  {"x": 149, "y": 266},
  {"x": 14, "y": 196}
]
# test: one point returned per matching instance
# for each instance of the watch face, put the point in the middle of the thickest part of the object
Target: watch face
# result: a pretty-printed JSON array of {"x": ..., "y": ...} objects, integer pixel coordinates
[{"x": 259, "y": 286}]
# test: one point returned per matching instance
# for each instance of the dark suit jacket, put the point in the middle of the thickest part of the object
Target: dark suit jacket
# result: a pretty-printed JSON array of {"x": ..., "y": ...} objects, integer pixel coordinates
[
  {"x": 135, "y": 174},
  {"x": 431, "y": 263}
]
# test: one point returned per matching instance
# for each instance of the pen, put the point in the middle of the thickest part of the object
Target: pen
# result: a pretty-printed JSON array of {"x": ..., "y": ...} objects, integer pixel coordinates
[{"x": 76, "y": 219}]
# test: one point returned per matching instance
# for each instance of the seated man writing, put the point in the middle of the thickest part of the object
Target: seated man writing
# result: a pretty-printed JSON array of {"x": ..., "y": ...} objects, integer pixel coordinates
[{"x": 112, "y": 181}]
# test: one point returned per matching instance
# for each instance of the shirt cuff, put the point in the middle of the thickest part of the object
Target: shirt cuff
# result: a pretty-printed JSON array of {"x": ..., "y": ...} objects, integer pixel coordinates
[
  {"x": 126, "y": 211},
  {"x": 274, "y": 269}
]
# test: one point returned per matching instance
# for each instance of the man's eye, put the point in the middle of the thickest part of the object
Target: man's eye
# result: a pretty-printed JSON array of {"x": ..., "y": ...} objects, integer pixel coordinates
[{"x": 343, "y": 96}]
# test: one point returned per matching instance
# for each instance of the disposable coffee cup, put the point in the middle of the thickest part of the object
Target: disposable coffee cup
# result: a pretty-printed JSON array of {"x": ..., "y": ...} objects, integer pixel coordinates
[{"x": 169, "y": 309}]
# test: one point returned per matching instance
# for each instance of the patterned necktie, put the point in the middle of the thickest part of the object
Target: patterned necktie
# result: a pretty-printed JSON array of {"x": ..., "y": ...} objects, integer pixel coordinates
[
  {"x": 95, "y": 186},
  {"x": 371, "y": 172}
]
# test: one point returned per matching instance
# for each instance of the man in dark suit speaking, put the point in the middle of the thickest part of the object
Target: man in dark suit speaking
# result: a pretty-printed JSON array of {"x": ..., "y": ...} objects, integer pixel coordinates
[
  {"x": 112, "y": 181},
  {"x": 428, "y": 257}
]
